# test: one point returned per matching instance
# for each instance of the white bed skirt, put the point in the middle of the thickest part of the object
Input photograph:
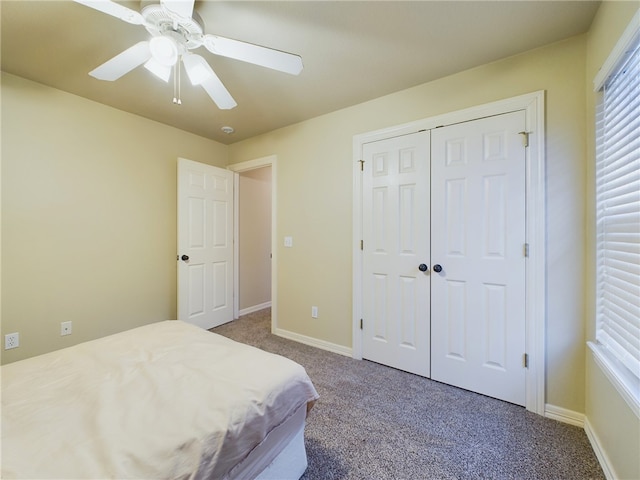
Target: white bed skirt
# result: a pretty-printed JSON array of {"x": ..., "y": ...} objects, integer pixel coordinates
[
  {"x": 291, "y": 463},
  {"x": 280, "y": 456}
]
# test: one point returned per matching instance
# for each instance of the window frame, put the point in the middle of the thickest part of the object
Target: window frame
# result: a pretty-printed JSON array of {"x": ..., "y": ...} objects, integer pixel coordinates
[{"x": 623, "y": 379}]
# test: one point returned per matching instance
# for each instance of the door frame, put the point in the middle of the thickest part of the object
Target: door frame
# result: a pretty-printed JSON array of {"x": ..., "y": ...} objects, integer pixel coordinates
[
  {"x": 535, "y": 311},
  {"x": 238, "y": 168}
]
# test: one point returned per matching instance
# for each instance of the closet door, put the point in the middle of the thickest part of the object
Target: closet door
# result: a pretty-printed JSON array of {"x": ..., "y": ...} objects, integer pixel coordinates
[
  {"x": 396, "y": 252},
  {"x": 478, "y": 242}
]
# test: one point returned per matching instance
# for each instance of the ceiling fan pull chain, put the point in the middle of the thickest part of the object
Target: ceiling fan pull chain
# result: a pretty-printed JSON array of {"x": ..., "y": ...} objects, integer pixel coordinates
[
  {"x": 175, "y": 99},
  {"x": 179, "y": 75},
  {"x": 176, "y": 84}
]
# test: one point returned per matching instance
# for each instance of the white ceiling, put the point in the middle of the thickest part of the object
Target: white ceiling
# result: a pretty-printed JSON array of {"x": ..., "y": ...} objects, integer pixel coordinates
[{"x": 353, "y": 51}]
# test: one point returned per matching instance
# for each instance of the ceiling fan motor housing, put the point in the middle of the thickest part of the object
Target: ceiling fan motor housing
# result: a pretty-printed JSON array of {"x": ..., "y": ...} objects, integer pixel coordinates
[{"x": 186, "y": 32}]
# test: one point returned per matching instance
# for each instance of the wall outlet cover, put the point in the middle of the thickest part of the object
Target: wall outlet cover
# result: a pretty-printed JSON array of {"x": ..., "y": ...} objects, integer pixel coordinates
[{"x": 11, "y": 340}]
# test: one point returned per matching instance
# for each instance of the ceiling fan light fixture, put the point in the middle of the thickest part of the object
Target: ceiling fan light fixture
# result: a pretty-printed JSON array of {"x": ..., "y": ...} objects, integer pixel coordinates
[
  {"x": 161, "y": 71},
  {"x": 164, "y": 50}
]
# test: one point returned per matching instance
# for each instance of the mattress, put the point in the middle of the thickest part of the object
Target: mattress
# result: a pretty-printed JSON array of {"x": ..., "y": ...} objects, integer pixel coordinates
[{"x": 166, "y": 400}]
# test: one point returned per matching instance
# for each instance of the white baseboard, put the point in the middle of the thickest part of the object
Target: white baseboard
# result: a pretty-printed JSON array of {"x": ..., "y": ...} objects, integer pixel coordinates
[
  {"x": 314, "y": 342},
  {"x": 563, "y": 415},
  {"x": 599, "y": 451},
  {"x": 255, "y": 308}
]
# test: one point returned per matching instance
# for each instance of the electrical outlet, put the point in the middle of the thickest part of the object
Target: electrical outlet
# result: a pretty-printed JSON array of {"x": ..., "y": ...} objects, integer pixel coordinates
[
  {"x": 65, "y": 328},
  {"x": 314, "y": 312},
  {"x": 11, "y": 340}
]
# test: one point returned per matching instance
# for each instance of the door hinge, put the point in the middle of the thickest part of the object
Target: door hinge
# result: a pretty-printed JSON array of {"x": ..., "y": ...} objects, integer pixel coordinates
[
  {"x": 361, "y": 244},
  {"x": 526, "y": 249},
  {"x": 525, "y": 360},
  {"x": 525, "y": 138},
  {"x": 361, "y": 165},
  {"x": 361, "y": 324}
]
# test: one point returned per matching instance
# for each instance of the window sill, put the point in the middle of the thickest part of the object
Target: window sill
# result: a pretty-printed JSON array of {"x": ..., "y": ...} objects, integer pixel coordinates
[{"x": 624, "y": 382}]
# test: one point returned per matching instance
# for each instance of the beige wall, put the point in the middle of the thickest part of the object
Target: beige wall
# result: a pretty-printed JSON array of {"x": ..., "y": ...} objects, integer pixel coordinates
[
  {"x": 254, "y": 241},
  {"x": 610, "y": 417},
  {"x": 88, "y": 216},
  {"x": 315, "y": 199}
]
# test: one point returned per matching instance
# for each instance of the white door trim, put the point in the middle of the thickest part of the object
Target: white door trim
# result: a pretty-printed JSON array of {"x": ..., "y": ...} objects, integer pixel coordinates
[
  {"x": 268, "y": 161},
  {"x": 533, "y": 104}
]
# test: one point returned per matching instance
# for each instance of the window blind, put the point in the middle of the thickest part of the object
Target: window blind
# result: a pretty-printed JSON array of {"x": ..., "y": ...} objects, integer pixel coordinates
[{"x": 618, "y": 213}]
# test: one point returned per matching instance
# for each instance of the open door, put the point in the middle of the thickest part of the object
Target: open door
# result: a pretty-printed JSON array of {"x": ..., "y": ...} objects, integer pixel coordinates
[{"x": 205, "y": 244}]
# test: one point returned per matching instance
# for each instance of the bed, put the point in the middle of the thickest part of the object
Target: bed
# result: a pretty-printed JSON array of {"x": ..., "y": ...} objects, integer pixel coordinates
[{"x": 166, "y": 400}]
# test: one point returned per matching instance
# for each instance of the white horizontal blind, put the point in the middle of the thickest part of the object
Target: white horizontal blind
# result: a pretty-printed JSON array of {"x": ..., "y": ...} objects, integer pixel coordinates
[{"x": 618, "y": 213}]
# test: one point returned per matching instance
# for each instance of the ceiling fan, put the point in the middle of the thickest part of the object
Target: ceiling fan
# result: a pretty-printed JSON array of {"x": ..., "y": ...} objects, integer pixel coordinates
[{"x": 176, "y": 29}]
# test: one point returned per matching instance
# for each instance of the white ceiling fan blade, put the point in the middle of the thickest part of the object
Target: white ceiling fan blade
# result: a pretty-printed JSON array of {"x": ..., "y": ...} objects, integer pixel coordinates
[
  {"x": 182, "y": 8},
  {"x": 247, "y": 52},
  {"x": 200, "y": 73},
  {"x": 197, "y": 68},
  {"x": 123, "y": 63},
  {"x": 163, "y": 72},
  {"x": 218, "y": 93},
  {"x": 114, "y": 9}
]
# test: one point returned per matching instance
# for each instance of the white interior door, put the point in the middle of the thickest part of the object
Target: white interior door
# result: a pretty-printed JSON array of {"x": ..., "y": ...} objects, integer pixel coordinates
[
  {"x": 205, "y": 244},
  {"x": 395, "y": 243},
  {"x": 478, "y": 238}
]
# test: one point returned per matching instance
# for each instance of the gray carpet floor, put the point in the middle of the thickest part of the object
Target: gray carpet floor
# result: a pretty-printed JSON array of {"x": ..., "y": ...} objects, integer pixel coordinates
[{"x": 375, "y": 422}]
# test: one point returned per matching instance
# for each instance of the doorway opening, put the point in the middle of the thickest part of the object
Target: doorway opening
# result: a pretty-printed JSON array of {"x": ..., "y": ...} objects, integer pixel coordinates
[
  {"x": 254, "y": 223},
  {"x": 254, "y": 240}
]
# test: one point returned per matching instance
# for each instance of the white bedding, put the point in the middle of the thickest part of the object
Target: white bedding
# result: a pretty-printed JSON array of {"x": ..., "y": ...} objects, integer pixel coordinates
[{"x": 166, "y": 400}]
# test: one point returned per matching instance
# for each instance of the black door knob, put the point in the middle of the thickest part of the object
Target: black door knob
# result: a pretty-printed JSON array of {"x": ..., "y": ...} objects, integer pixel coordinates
[
  {"x": 184, "y": 258},
  {"x": 437, "y": 268},
  {"x": 422, "y": 267}
]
